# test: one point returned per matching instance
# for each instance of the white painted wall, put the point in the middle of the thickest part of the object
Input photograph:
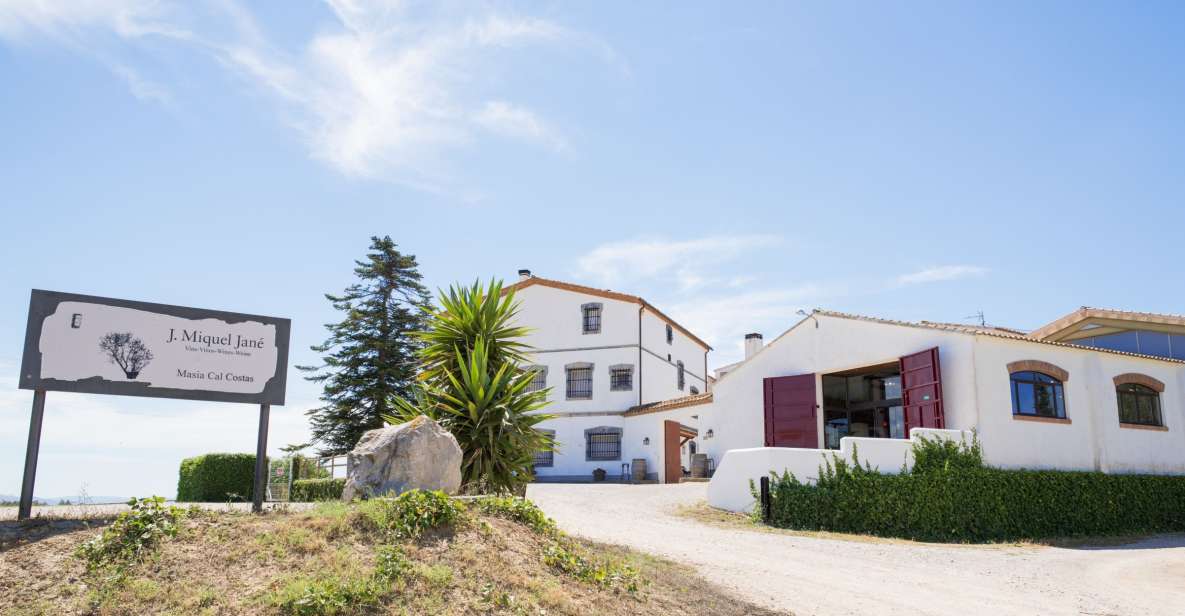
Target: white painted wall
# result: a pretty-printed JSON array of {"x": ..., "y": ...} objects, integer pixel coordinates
[
  {"x": 737, "y": 414},
  {"x": 554, "y": 315},
  {"x": 730, "y": 486},
  {"x": 977, "y": 395},
  {"x": 640, "y": 427}
]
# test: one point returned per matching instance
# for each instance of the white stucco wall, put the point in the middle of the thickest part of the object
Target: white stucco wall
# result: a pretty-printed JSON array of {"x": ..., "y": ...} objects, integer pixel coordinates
[
  {"x": 641, "y": 427},
  {"x": 555, "y": 317},
  {"x": 737, "y": 414},
  {"x": 730, "y": 486},
  {"x": 1093, "y": 438},
  {"x": 976, "y": 392}
]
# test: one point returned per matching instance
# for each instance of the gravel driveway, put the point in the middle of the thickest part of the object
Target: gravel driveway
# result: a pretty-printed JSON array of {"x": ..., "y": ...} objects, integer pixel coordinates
[{"x": 809, "y": 575}]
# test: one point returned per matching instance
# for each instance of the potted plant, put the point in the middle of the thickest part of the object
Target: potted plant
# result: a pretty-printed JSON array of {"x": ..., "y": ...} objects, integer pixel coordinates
[{"x": 599, "y": 474}]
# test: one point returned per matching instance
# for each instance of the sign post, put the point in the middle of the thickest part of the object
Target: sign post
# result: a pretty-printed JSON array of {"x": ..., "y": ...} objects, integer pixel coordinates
[
  {"x": 261, "y": 460},
  {"x": 87, "y": 344},
  {"x": 26, "y": 506}
]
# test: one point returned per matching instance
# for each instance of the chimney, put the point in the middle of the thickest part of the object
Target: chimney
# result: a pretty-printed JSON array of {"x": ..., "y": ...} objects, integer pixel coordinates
[
  {"x": 753, "y": 343},
  {"x": 524, "y": 274}
]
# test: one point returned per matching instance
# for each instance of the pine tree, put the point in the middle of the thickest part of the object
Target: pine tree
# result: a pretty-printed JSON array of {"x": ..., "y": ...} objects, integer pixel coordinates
[{"x": 370, "y": 356}]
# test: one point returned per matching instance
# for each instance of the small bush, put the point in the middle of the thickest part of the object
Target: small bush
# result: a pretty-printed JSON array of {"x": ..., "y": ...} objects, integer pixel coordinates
[
  {"x": 950, "y": 496},
  {"x": 133, "y": 535},
  {"x": 408, "y": 515},
  {"x": 311, "y": 490},
  {"x": 566, "y": 558},
  {"x": 217, "y": 477},
  {"x": 519, "y": 510}
]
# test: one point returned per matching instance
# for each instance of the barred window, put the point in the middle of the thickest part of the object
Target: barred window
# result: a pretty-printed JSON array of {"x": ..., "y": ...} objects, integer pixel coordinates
[
  {"x": 543, "y": 457},
  {"x": 680, "y": 376},
  {"x": 602, "y": 443},
  {"x": 579, "y": 381},
  {"x": 621, "y": 377},
  {"x": 540, "y": 380},
  {"x": 670, "y": 334},
  {"x": 694, "y": 390},
  {"x": 591, "y": 318}
]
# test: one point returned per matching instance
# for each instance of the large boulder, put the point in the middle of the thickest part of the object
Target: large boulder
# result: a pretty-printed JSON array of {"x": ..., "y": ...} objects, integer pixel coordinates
[{"x": 418, "y": 454}]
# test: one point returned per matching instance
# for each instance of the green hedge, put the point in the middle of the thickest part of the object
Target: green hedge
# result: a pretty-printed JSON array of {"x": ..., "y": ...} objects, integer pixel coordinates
[
  {"x": 951, "y": 496},
  {"x": 217, "y": 477},
  {"x": 308, "y": 490}
]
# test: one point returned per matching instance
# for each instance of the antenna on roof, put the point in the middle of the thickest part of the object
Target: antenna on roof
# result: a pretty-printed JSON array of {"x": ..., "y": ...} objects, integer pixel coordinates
[{"x": 978, "y": 316}]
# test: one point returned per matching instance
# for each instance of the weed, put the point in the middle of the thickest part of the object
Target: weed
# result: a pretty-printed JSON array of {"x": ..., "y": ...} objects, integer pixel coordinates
[
  {"x": 603, "y": 573},
  {"x": 408, "y": 515},
  {"x": 133, "y": 535},
  {"x": 519, "y": 510},
  {"x": 315, "y": 596}
]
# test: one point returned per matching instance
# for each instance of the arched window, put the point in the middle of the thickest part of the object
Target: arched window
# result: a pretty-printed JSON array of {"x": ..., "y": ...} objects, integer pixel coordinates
[
  {"x": 1138, "y": 404},
  {"x": 1037, "y": 394}
]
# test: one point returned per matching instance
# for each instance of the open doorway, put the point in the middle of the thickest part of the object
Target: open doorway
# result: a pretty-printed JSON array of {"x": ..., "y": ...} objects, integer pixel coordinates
[{"x": 863, "y": 402}]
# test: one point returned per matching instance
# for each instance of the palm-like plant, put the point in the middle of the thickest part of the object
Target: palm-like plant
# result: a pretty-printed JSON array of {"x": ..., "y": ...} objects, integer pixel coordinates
[{"x": 471, "y": 383}]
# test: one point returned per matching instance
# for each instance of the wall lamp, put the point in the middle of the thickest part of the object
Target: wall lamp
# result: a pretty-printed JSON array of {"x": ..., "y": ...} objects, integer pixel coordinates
[
  {"x": 646, "y": 440},
  {"x": 709, "y": 434}
]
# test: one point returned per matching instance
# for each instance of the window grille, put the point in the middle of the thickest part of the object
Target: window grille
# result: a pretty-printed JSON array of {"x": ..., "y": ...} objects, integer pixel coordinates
[
  {"x": 603, "y": 444},
  {"x": 580, "y": 382},
  {"x": 680, "y": 375},
  {"x": 591, "y": 318},
  {"x": 670, "y": 334},
  {"x": 545, "y": 458},
  {"x": 539, "y": 381},
  {"x": 621, "y": 378}
]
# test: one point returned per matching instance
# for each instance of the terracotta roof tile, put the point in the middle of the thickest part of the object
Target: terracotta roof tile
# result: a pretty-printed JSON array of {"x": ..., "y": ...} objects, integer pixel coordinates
[{"x": 670, "y": 405}]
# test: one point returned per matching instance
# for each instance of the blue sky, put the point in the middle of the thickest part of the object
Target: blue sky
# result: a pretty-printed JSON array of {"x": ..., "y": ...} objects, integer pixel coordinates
[{"x": 730, "y": 162}]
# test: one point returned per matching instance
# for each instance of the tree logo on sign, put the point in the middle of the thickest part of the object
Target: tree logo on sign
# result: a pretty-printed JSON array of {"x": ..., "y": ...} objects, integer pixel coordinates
[{"x": 127, "y": 352}]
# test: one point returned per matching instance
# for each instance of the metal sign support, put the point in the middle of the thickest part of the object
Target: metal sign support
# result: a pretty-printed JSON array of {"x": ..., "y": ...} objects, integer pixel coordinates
[
  {"x": 261, "y": 460},
  {"x": 26, "y": 507}
]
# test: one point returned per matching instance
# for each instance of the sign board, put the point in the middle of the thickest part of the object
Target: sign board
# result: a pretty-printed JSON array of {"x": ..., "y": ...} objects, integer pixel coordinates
[{"x": 87, "y": 344}]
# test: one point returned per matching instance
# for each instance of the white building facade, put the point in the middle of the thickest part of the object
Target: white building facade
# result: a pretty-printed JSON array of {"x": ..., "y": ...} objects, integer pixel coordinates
[
  {"x": 608, "y": 359},
  {"x": 1080, "y": 394}
]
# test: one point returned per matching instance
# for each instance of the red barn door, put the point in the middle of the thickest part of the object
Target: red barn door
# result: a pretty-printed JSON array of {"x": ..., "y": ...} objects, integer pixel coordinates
[
  {"x": 790, "y": 407},
  {"x": 921, "y": 390}
]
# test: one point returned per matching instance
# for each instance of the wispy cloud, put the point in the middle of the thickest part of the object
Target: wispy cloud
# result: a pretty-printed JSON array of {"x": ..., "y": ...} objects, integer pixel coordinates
[
  {"x": 516, "y": 122},
  {"x": 387, "y": 91},
  {"x": 681, "y": 260},
  {"x": 941, "y": 273}
]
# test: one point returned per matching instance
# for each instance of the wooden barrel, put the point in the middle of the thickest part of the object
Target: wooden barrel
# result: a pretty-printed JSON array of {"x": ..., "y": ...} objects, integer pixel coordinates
[
  {"x": 699, "y": 465},
  {"x": 638, "y": 469}
]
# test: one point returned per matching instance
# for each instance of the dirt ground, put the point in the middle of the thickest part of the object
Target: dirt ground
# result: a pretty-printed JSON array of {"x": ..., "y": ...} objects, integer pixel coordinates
[
  {"x": 234, "y": 563},
  {"x": 839, "y": 575}
]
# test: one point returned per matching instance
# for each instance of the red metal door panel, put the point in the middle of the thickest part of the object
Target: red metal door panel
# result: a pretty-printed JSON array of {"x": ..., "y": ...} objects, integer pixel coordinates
[
  {"x": 921, "y": 390},
  {"x": 790, "y": 419}
]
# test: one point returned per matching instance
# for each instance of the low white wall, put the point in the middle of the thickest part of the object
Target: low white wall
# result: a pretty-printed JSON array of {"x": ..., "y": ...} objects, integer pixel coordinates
[{"x": 729, "y": 488}]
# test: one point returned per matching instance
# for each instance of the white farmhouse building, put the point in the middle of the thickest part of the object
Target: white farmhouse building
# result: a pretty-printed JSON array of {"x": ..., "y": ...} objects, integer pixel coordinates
[
  {"x": 612, "y": 362},
  {"x": 1098, "y": 390}
]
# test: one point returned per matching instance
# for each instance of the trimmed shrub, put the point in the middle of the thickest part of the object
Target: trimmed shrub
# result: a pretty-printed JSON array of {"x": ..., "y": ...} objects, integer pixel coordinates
[
  {"x": 950, "y": 496},
  {"x": 309, "y": 490},
  {"x": 217, "y": 477}
]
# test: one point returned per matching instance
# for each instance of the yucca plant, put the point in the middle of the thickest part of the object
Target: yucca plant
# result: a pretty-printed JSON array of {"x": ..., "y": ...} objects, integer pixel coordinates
[{"x": 472, "y": 383}]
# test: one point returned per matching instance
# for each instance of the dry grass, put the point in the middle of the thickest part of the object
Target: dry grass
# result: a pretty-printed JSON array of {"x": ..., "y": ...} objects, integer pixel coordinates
[
  {"x": 236, "y": 563},
  {"x": 706, "y": 514}
]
